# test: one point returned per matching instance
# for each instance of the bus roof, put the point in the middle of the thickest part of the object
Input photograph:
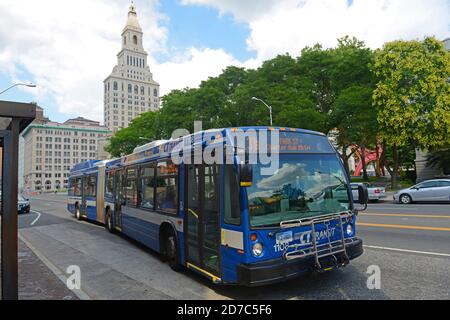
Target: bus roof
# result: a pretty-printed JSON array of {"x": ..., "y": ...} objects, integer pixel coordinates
[
  {"x": 85, "y": 166},
  {"x": 287, "y": 129},
  {"x": 162, "y": 148}
]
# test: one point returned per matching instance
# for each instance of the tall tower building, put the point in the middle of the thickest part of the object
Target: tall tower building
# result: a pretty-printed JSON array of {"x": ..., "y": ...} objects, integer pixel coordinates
[{"x": 130, "y": 89}]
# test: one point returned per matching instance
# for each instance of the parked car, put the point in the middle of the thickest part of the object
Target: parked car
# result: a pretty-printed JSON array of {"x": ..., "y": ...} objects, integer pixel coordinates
[
  {"x": 23, "y": 205},
  {"x": 375, "y": 193},
  {"x": 428, "y": 191}
]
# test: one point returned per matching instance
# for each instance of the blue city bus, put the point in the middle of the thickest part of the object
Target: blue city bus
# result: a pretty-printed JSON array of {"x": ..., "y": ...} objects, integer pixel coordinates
[
  {"x": 228, "y": 222},
  {"x": 86, "y": 191}
]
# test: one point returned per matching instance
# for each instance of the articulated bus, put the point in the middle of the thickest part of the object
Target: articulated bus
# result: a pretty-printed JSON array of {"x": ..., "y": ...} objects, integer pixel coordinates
[{"x": 229, "y": 221}]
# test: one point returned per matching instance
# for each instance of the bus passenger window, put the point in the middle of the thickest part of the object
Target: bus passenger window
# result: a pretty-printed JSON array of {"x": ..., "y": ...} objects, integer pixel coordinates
[
  {"x": 110, "y": 184},
  {"x": 167, "y": 185},
  {"x": 147, "y": 184},
  {"x": 72, "y": 182},
  {"x": 130, "y": 188},
  {"x": 77, "y": 190},
  {"x": 232, "y": 207},
  {"x": 92, "y": 186}
]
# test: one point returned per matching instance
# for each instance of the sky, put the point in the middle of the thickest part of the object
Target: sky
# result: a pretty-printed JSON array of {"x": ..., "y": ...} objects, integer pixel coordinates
[{"x": 68, "y": 47}]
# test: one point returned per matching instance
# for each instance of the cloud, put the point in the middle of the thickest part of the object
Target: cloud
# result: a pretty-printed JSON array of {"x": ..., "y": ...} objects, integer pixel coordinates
[
  {"x": 243, "y": 10},
  {"x": 192, "y": 67},
  {"x": 69, "y": 47},
  {"x": 288, "y": 26}
]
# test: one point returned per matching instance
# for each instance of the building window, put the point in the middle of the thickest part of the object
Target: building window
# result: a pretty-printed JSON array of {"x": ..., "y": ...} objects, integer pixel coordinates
[
  {"x": 115, "y": 86},
  {"x": 155, "y": 92},
  {"x": 142, "y": 91},
  {"x": 130, "y": 88},
  {"x": 135, "y": 40},
  {"x": 136, "y": 89}
]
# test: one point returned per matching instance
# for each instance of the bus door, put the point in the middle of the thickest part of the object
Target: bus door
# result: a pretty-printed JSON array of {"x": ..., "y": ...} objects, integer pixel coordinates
[
  {"x": 84, "y": 194},
  {"x": 203, "y": 217},
  {"x": 118, "y": 199}
]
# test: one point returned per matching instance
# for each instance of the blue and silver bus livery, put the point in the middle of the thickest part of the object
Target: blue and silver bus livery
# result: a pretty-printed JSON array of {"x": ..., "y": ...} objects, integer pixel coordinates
[{"x": 229, "y": 222}]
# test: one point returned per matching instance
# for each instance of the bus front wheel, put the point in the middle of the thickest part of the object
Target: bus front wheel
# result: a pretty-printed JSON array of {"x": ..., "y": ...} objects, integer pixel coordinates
[{"x": 171, "y": 251}]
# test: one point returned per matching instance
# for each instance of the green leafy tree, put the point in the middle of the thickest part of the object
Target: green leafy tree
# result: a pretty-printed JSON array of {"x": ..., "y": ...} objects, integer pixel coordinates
[
  {"x": 143, "y": 129},
  {"x": 440, "y": 159},
  {"x": 356, "y": 121},
  {"x": 412, "y": 96},
  {"x": 351, "y": 85},
  {"x": 316, "y": 64}
]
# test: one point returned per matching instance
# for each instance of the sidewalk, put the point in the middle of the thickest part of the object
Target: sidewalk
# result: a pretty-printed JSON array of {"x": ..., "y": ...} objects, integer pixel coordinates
[{"x": 37, "y": 281}]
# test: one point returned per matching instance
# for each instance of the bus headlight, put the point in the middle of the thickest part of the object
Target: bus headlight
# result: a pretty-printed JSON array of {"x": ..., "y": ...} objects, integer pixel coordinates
[
  {"x": 349, "y": 230},
  {"x": 257, "y": 249}
]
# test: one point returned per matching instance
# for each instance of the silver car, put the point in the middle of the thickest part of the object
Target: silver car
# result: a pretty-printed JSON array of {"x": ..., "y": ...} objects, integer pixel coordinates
[
  {"x": 428, "y": 191},
  {"x": 375, "y": 193}
]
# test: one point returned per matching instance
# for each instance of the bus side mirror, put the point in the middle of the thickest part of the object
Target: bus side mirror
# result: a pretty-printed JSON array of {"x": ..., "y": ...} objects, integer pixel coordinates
[
  {"x": 363, "y": 195},
  {"x": 245, "y": 173}
]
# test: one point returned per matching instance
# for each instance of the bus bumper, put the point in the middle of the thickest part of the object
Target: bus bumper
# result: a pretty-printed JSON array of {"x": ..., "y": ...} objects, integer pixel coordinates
[{"x": 273, "y": 271}]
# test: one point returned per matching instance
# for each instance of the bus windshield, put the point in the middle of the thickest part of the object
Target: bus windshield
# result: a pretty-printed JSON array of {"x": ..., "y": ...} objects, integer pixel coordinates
[{"x": 304, "y": 186}]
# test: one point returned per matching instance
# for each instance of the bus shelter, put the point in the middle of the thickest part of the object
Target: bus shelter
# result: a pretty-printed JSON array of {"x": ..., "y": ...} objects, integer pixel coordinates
[{"x": 14, "y": 118}]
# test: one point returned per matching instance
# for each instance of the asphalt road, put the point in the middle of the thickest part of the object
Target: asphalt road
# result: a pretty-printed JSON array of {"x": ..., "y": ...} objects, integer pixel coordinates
[{"x": 410, "y": 244}]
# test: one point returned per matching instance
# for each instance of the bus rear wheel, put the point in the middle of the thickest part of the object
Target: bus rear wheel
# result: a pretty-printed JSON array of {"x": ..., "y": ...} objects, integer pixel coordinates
[
  {"x": 171, "y": 251},
  {"x": 77, "y": 212},
  {"x": 109, "y": 223}
]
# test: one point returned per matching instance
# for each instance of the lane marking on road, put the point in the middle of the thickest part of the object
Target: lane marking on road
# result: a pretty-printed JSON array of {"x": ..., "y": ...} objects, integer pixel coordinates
[
  {"x": 399, "y": 226},
  {"x": 38, "y": 217},
  {"x": 404, "y": 215},
  {"x": 408, "y": 251},
  {"x": 395, "y": 208}
]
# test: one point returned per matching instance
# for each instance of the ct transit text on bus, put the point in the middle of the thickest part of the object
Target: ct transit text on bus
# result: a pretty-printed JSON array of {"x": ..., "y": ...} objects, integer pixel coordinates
[{"x": 232, "y": 219}]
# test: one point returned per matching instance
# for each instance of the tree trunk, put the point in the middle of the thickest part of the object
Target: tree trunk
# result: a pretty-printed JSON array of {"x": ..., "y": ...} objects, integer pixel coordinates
[
  {"x": 364, "y": 165},
  {"x": 345, "y": 157},
  {"x": 345, "y": 160},
  {"x": 394, "y": 174},
  {"x": 377, "y": 162},
  {"x": 383, "y": 164}
]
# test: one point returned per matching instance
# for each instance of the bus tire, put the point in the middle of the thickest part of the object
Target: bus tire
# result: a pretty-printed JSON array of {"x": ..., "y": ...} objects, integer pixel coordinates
[
  {"x": 109, "y": 223},
  {"x": 171, "y": 251},
  {"x": 77, "y": 212}
]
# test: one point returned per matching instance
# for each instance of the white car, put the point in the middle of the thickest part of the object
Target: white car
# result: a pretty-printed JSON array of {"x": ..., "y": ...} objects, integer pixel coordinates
[
  {"x": 375, "y": 193},
  {"x": 428, "y": 191}
]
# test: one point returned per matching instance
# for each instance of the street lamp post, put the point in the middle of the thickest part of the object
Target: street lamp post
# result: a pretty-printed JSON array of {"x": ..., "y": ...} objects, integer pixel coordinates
[
  {"x": 30, "y": 85},
  {"x": 268, "y": 107}
]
